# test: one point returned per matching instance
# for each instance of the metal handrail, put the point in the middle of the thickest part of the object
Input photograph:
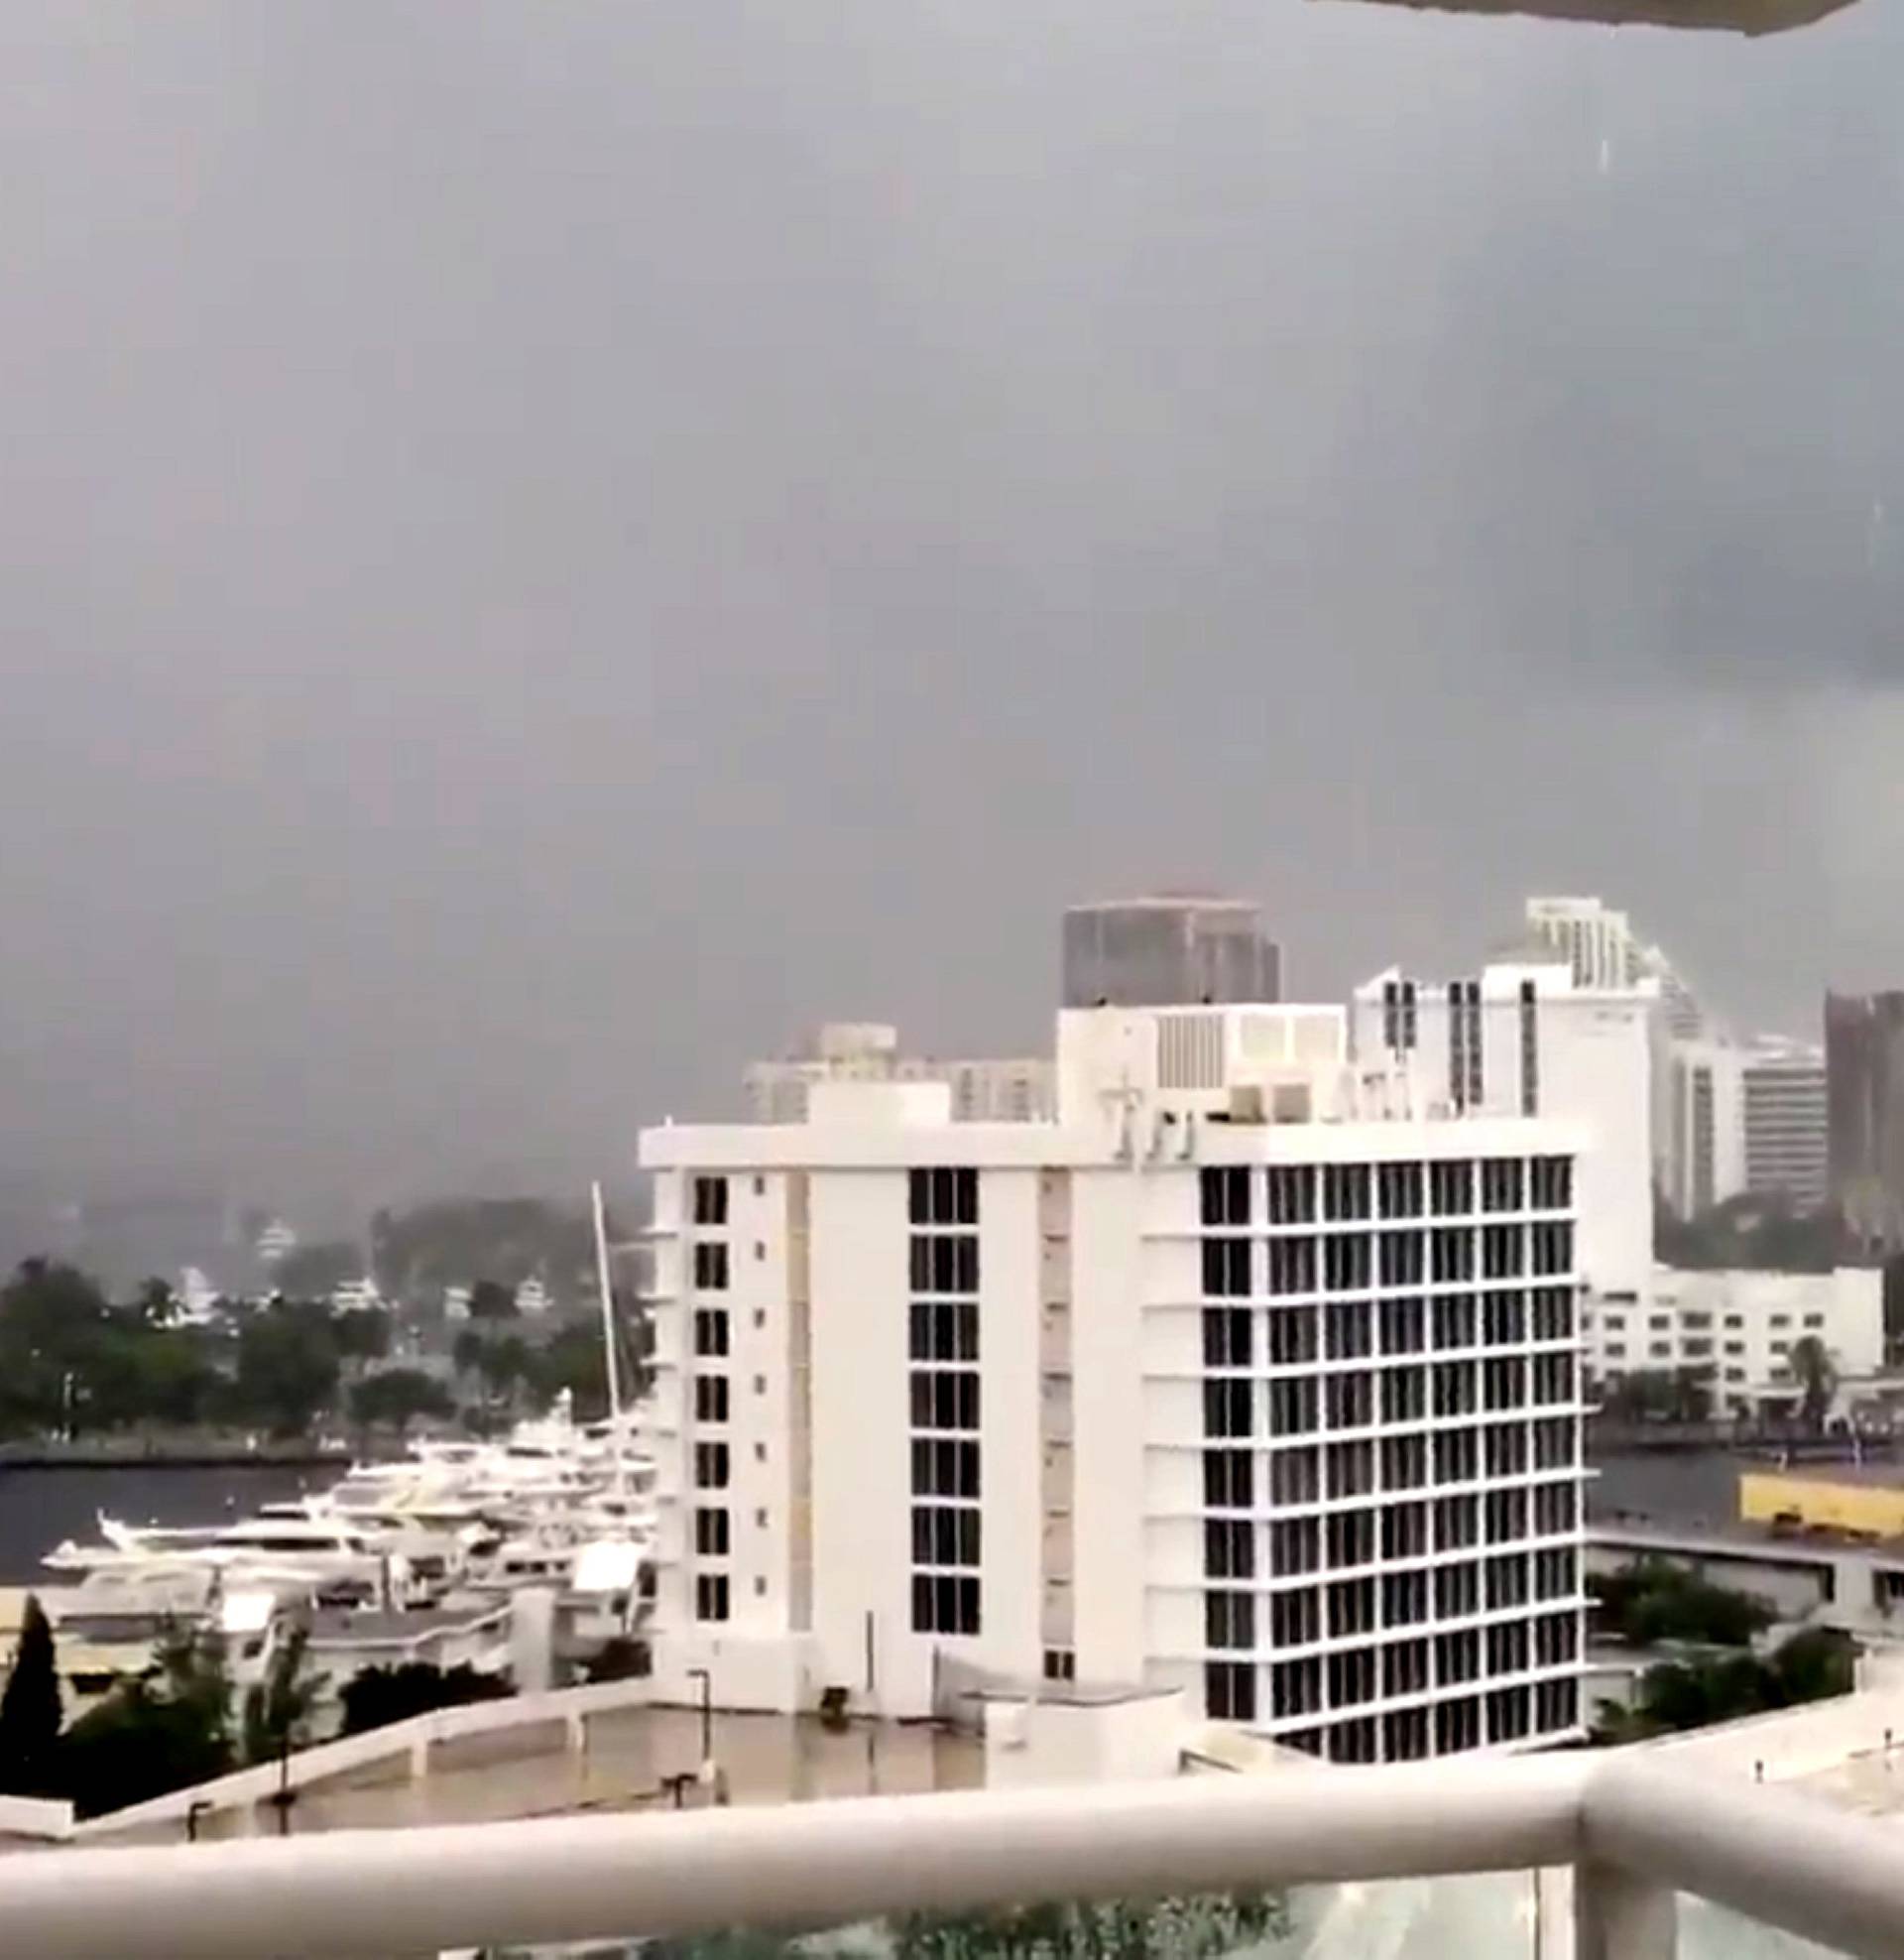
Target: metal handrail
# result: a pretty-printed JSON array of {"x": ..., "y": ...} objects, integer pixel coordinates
[{"x": 1789, "y": 1862}]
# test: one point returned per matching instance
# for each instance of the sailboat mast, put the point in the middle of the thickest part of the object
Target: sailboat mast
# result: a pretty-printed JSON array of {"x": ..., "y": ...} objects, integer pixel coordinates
[{"x": 607, "y": 1338}]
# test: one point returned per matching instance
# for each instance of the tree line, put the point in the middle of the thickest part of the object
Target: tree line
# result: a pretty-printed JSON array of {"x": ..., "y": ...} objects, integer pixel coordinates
[
  {"x": 180, "y": 1723},
  {"x": 73, "y": 1363}
]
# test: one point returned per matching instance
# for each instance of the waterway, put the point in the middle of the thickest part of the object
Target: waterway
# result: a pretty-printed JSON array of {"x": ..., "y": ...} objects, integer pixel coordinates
[{"x": 40, "y": 1507}]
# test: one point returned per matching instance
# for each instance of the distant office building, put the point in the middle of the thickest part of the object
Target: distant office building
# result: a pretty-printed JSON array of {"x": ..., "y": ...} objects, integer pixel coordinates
[
  {"x": 1702, "y": 1148},
  {"x": 1735, "y": 1331},
  {"x": 1783, "y": 1109},
  {"x": 1526, "y": 1039},
  {"x": 1864, "y": 1098},
  {"x": 1003, "y": 1089},
  {"x": 1169, "y": 953}
]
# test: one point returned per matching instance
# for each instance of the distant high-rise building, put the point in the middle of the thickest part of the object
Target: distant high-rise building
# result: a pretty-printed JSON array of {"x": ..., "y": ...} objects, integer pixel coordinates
[
  {"x": 1783, "y": 1105},
  {"x": 1173, "y": 951},
  {"x": 1701, "y": 1151},
  {"x": 1865, "y": 1094},
  {"x": 1606, "y": 952}
]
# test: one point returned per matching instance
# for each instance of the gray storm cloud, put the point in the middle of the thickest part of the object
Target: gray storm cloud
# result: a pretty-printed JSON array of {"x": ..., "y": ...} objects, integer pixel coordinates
[{"x": 549, "y": 546}]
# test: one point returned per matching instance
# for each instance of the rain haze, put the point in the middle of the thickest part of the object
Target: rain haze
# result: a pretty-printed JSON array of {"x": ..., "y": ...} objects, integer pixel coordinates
[{"x": 548, "y": 548}]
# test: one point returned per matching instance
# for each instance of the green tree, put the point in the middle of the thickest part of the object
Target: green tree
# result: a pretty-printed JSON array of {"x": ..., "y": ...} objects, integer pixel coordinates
[
  {"x": 1813, "y": 1369},
  {"x": 151, "y": 1736},
  {"x": 398, "y": 1397},
  {"x": 155, "y": 1304},
  {"x": 316, "y": 1270},
  {"x": 279, "y": 1710},
  {"x": 1653, "y": 1600},
  {"x": 362, "y": 1336},
  {"x": 378, "y": 1696},
  {"x": 287, "y": 1367},
  {"x": 490, "y": 1299},
  {"x": 30, "y": 1711}
]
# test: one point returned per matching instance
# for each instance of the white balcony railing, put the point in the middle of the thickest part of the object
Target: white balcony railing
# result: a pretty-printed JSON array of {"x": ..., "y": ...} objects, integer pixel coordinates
[{"x": 1635, "y": 1835}]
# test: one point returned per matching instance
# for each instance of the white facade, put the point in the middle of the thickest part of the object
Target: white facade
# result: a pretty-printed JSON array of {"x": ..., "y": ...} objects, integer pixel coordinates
[
  {"x": 1737, "y": 1328},
  {"x": 1229, "y": 1381},
  {"x": 1607, "y": 956},
  {"x": 1526, "y": 1039},
  {"x": 998, "y": 1089},
  {"x": 1702, "y": 1148}
]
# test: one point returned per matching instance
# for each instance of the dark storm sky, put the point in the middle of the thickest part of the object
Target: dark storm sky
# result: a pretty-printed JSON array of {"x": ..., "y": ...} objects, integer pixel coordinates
[{"x": 547, "y": 547}]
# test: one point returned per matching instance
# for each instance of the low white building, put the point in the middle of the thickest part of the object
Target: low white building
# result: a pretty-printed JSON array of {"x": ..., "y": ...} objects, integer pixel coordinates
[
  {"x": 1736, "y": 1329},
  {"x": 1230, "y": 1379}
]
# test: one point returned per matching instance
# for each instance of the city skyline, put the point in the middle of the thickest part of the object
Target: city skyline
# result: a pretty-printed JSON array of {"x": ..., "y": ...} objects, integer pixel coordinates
[{"x": 504, "y": 623}]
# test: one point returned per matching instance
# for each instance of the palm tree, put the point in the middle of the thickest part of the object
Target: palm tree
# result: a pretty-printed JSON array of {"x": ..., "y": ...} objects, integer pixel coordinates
[{"x": 1813, "y": 1369}]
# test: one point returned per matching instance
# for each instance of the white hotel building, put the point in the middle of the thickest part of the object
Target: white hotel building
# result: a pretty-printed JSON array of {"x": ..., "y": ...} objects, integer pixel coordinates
[{"x": 1225, "y": 1381}]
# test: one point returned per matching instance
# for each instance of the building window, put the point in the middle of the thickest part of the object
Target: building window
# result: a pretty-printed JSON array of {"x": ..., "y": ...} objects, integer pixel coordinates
[
  {"x": 1349, "y": 1328},
  {"x": 1553, "y": 1248},
  {"x": 1399, "y": 1187},
  {"x": 1348, "y": 1264},
  {"x": 710, "y": 1331},
  {"x": 1225, "y": 1337},
  {"x": 948, "y": 1397},
  {"x": 1501, "y": 1183},
  {"x": 943, "y": 1197},
  {"x": 710, "y": 1532},
  {"x": 1345, "y": 1190},
  {"x": 1295, "y": 1618},
  {"x": 759, "y": 1520},
  {"x": 1451, "y": 1189},
  {"x": 1457, "y": 1456},
  {"x": 1293, "y": 1266},
  {"x": 944, "y": 1602},
  {"x": 1551, "y": 1183},
  {"x": 759, "y": 1187},
  {"x": 1225, "y": 1195},
  {"x": 1814, "y": 1319},
  {"x": 1230, "y": 1692},
  {"x": 1228, "y": 1409},
  {"x": 760, "y": 1587},
  {"x": 1503, "y": 1252},
  {"x": 1293, "y": 1337},
  {"x": 945, "y": 1466},
  {"x": 1295, "y": 1545},
  {"x": 1503, "y": 1319},
  {"x": 1292, "y": 1193},
  {"x": 710, "y": 1201},
  {"x": 1227, "y": 1481},
  {"x": 1295, "y": 1686},
  {"x": 945, "y": 1535},
  {"x": 944, "y": 1330},
  {"x": 711, "y": 1467},
  {"x": 710, "y": 1268},
  {"x": 1229, "y": 1548},
  {"x": 1405, "y": 1326},
  {"x": 945, "y": 1262},
  {"x": 1060, "y": 1665},
  {"x": 1229, "y": 1620},
  {"x": 759, "y": 1385},
  {"x": 1225, "y": 1268},
  {"x": 710, "y": 1596},
  {"x": 710, "y": 1397}
]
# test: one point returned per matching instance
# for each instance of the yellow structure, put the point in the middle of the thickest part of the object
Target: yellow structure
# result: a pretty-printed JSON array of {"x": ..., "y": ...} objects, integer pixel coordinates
[{"x": 1873, "y": 1509}]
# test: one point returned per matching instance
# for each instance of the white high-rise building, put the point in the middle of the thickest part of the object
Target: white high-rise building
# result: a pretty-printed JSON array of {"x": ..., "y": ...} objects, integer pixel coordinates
[
  {"x": 1607, "y": 956},
  {"x": 1525, "y": 1039},
  {"x": 1229, "y": 1379},
  {"x": 1701, "y": 1148}
]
